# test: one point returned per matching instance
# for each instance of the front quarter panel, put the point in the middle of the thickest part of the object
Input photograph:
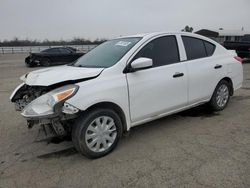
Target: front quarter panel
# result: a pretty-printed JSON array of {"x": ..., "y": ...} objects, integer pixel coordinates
[
  {"x": 15, "y": 91},
  {"x": 103, "y": 89}
]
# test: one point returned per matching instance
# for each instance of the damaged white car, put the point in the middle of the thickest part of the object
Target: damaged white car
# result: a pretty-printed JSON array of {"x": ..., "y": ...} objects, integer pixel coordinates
[{"x": 126, "y": 82}]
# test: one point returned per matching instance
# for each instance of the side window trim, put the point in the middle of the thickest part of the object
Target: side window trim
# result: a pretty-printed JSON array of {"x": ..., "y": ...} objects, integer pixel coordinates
[{"x": 181, "y": 48}]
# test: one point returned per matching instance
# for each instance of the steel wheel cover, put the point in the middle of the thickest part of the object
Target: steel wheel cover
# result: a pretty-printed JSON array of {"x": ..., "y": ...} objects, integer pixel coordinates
[{"x": 101, "y": 134}]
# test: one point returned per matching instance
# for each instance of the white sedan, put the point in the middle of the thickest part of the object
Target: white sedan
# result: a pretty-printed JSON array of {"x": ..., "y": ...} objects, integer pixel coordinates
[{"x": 126, "y": 82}]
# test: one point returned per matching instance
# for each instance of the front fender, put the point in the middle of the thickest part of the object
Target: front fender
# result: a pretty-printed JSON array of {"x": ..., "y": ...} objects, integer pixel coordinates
[
  {"x": 15, "y": 91},
  {"x": 101, "y": 90}
]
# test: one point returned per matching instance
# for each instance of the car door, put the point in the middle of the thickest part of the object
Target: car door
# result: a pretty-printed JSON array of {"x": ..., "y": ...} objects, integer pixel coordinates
[
  {"x": 162, "y": 88},
  {"x": 66, "y": 55},
  {"x": 203, "y": 68},
  {"x": 54, "y": 55}
]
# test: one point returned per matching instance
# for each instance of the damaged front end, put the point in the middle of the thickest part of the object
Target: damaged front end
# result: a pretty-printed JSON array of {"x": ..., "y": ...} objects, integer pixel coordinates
[{"x": 47, "y": 106}]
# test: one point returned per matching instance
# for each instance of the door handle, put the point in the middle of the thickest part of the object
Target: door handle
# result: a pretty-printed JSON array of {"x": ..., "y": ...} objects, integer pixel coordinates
[
  {"x": 178, "y": 74},
  {"x": 218, "y": 66}
]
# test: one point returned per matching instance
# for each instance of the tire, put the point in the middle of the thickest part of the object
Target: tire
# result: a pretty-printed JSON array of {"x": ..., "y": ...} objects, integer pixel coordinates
[
  {"x": 221, "y": 96},
  {"x": 45, "y": 62},
  {"x": 97, "y": 132}
]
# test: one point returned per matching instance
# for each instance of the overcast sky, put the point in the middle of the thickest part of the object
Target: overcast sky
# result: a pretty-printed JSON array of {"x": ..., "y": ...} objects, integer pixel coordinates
[{"x": 65, "y": 19}]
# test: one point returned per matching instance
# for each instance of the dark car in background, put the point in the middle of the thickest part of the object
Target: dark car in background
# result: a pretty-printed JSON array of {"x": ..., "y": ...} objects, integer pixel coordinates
[
  {"x": 242, "y": 47},
  {"x": 53, "y": 56}
]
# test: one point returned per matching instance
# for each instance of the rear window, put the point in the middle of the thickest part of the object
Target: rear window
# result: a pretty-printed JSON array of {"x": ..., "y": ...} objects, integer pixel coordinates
[
  {"x": 209, "y": 48},
  {"x": 197, "y": 48},
  {"x": 194, "y": 47}
]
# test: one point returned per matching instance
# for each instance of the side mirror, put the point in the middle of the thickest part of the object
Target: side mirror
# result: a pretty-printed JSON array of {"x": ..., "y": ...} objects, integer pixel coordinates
[{"x": 140, "y": 64}]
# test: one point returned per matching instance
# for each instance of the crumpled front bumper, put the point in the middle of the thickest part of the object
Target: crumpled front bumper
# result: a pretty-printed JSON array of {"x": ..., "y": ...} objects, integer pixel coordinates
[
  {"x": 57, "y": 118},
  {"x": 53, "y": 125}
]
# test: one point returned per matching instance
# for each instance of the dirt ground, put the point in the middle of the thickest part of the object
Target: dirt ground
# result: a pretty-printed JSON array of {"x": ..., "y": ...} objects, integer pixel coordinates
[{"x": 194, "y": 148}]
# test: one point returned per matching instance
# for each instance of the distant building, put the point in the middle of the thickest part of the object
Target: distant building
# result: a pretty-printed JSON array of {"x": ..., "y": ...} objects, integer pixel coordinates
[{"x": 222, "y": 35}]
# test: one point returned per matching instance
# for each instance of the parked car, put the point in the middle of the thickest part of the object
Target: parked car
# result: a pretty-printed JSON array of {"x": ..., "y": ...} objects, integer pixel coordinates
[
  {"x": 53, "y": 56},
  {"x": 242, "y": 47},
  {"x": 126, "y": 82}
]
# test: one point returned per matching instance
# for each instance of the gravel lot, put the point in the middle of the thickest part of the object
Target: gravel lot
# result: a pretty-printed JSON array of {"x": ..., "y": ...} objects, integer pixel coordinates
[{"x": 190, "y": 149}]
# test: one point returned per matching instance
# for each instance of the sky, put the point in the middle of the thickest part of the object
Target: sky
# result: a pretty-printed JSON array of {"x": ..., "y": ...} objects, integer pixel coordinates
[{"x": 91, "y": 19}]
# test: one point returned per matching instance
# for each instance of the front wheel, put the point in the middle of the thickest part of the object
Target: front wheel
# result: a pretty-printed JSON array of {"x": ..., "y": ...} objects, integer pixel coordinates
[
  {"x": 96, "y": 133},
  {"x": 220, "y": 96},
  {"x": 45, "y": 62}
]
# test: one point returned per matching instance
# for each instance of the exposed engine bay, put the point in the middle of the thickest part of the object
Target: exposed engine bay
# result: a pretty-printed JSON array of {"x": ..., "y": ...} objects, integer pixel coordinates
[{"x": 26, "y": 94}]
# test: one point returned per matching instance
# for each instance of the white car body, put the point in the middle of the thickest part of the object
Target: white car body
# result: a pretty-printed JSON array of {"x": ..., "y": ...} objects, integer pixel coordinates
[{"x": 148, "y": 94}]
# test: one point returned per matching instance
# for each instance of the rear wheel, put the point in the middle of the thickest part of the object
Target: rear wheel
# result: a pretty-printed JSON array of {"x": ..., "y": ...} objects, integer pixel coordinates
[
  {"x": 221, "y": 96},
  {"x": 97, "y": 133}
]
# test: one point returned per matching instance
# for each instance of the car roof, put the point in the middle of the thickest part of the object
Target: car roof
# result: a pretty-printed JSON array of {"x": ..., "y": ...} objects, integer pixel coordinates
[
  {"x": 61, "y": 47},
  {"x": 155, "y": 34}
]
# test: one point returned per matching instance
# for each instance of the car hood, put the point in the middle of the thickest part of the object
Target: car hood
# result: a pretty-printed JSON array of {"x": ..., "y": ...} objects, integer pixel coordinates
[{"x": 54, "y": 75}]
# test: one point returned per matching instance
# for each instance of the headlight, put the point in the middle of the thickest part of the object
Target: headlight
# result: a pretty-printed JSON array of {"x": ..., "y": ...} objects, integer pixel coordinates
[
  {"x": 45, "y": 104},
  {"x": 61, "y": 94}
]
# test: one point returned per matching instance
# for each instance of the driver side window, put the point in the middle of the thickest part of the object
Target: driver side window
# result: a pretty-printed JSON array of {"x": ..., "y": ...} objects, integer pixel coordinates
[
  {"x": 64, "y": 51},
  {"x": 162, "y": 51}
]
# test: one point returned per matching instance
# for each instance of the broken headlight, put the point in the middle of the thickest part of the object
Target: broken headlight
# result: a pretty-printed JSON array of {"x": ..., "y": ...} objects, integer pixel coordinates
[{"x": 45, "y": 104}]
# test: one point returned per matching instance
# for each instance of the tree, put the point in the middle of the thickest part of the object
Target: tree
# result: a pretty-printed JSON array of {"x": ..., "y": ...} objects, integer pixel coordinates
[
  {"x": 188, "y": 29},
  {"x": 27, "y": 42}
]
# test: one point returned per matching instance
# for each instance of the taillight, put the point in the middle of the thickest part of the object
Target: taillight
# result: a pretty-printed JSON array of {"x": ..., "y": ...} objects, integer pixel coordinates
[{"x": 239, "y": 59}]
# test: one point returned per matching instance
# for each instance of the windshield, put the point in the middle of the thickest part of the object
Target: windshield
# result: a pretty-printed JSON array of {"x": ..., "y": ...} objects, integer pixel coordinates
[{"x": 107, "y": 54}]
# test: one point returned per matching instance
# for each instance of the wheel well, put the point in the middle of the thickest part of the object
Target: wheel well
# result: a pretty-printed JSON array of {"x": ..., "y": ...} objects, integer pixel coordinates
[
  {"x": 230, "y": 83},
  {"x": 47, "y": 58},
  {"x": 114, "y": 107}
]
